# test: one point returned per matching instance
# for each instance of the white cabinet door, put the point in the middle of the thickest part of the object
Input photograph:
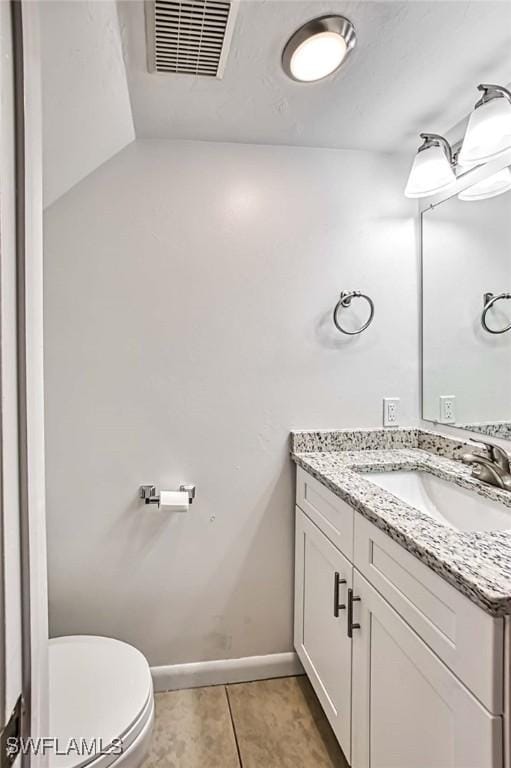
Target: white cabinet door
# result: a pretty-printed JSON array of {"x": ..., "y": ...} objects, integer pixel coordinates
[
  {"x": 448, "y": 622},
  {"x": 409, "y": 710},
  {"x": 322, "y": 579}
]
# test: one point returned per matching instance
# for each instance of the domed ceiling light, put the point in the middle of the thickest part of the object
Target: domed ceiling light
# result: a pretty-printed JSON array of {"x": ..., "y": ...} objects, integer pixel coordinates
[
  {"x": 433, "y": 167},
  {"x": 489, "y": 127},
  {"x": 318, "y": 49}
]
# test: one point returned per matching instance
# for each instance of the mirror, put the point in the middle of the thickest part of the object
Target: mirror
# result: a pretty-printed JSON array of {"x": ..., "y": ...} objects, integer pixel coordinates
[{"x": 466, "y": 314}]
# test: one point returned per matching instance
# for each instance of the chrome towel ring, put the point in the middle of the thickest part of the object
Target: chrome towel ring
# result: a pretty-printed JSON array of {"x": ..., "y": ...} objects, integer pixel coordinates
[
  {"x": 489, "y": 299},
  {"x": 345, "y": 302}
]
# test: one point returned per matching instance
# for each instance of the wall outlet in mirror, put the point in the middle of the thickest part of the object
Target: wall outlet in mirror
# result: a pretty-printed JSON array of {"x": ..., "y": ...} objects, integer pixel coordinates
[
  {"x": 391, "y": 411},
  {"x": 448, "y": 409}
]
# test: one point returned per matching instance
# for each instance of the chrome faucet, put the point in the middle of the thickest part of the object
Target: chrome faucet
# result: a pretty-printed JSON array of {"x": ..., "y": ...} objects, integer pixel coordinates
[{"x": 490, "y": 467}]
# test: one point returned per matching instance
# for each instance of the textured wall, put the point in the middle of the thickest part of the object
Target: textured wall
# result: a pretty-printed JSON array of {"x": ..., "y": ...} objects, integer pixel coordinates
[
  {"x": 86, "y": 105},
  {"x": 189, "y": 290}
]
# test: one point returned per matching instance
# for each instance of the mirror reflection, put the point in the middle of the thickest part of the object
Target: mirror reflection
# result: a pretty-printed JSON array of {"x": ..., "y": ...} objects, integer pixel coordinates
[{"x": 466, "y": 282}]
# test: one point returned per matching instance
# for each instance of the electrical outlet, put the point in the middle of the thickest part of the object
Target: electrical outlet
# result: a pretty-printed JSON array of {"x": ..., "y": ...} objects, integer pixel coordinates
[
  {"x": 447, "y": 409},
  {"x": 391, "y": 411}
]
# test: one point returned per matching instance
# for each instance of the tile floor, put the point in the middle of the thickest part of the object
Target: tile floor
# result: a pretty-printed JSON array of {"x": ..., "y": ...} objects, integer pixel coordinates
[{"x": 266, "y": 724}]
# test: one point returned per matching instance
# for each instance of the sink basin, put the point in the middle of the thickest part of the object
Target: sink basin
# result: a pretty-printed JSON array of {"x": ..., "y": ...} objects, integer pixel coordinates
[{"x": 456, "y": 507}]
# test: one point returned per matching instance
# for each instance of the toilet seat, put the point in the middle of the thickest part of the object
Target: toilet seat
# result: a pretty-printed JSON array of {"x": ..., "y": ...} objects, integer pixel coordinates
[{"x": 100, "y": 689}]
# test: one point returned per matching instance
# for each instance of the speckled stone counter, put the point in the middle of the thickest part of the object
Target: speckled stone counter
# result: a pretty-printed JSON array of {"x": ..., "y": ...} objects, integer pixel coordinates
[
  {"x": 495, "y": 429},
  {"x": 478, "y": 564}
]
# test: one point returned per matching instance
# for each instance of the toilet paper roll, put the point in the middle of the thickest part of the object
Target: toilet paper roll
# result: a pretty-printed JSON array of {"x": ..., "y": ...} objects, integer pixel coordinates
[{"x": 174, "y": 501}]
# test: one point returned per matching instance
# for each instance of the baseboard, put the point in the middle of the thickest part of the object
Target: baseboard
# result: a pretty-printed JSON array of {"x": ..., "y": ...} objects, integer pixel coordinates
[{"x": 173, "y": 677}]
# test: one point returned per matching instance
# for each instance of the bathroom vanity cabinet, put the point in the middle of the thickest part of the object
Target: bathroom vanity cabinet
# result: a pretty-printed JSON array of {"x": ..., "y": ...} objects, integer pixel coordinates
[{"x": 410, "y": 672}]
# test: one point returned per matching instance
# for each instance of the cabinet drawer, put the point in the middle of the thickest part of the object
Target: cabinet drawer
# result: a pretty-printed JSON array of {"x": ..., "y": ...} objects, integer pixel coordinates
[
  {"x": 468, "y": 640},
  {"x": 332, "y": 515}
]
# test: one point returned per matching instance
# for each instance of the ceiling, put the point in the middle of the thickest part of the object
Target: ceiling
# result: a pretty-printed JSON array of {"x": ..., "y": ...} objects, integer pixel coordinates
[{"x": 415, "y": 67}]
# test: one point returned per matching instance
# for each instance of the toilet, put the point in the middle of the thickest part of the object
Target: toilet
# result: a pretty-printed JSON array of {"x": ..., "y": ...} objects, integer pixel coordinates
[{"x": 101, "y": 703}]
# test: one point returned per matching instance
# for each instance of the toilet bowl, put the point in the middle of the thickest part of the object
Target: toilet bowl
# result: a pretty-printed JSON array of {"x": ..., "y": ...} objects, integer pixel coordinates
[{"x": 101, "y": 703}]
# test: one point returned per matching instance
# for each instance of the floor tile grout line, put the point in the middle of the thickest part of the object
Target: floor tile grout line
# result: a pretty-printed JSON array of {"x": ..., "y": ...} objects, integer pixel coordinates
[{"x": 238, "y": 750}]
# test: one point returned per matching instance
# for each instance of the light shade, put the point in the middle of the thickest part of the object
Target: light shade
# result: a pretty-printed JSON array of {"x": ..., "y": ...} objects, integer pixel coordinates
[
  {"x": 318, "y": 48},
  {"x": 431, "y": 172},
  {"x": 488, "y": 131},
  {"x": 494, "y": 185},
  {"x": 318, "y": 56}
]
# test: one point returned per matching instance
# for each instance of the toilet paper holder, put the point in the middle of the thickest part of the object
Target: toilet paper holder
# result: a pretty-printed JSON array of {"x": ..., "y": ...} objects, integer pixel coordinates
[{"x": 149, "y": 495}]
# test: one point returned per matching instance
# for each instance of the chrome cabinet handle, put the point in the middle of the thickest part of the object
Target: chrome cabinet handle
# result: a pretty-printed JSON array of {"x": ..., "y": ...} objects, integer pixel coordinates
[
  {"x": 337, "y": 583},
  {"x": 351, "y": 600}
]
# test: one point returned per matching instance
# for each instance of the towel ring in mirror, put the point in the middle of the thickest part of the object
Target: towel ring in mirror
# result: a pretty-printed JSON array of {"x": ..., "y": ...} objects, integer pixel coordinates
[
  {"x": 345, "y": 302},
  {"x": 489, "y": 299}
]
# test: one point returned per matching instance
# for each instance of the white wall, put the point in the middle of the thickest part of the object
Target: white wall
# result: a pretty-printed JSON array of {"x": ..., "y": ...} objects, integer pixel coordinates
[
  {"x": 466, "y": 249},
  {"x": 188, "y": 296},
  {"x": 86, "y": 105}
]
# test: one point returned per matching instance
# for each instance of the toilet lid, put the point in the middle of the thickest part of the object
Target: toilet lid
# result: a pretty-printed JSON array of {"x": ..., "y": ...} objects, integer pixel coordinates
[{"x": 98, "y": 689}]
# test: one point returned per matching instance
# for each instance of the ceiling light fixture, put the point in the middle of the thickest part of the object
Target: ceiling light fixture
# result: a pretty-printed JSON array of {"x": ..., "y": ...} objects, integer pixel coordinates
[
  {"x": 433, "y": 167},
  {"x": 489, "y": 127},
  {"x": 318, "y": 49},
  {"x": 494, "y": 185}
]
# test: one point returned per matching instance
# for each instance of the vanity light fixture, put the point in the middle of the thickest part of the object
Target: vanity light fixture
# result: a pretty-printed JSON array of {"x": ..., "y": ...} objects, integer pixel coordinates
[
  {"x": 318, "y": 48},
  {"x": 492, "y": 186},
  {"x": 433, "y": 167},
  {"x": 489, "y": 127}
]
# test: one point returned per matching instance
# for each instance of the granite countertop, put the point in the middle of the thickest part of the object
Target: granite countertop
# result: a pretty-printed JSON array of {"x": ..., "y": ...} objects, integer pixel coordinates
[{"x": 478, "y": 564}]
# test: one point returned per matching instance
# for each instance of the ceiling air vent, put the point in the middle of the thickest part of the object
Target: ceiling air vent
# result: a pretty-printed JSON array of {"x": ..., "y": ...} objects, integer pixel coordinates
[{"x": 190, "y": 37}]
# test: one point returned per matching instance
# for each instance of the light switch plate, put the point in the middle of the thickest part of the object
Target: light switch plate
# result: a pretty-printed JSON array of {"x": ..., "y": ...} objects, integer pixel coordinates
[{"x": 391, "y": 411}]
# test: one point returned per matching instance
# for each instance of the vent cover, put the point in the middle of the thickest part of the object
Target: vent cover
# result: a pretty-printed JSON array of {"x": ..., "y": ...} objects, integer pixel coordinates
[{"x": 191, "y": 37}]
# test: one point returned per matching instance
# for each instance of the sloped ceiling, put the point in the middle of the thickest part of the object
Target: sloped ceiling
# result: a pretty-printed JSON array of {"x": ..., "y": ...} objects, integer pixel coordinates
[
  {"x": 86, "y": 108},
  {"x": 415, "y": 68}
]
